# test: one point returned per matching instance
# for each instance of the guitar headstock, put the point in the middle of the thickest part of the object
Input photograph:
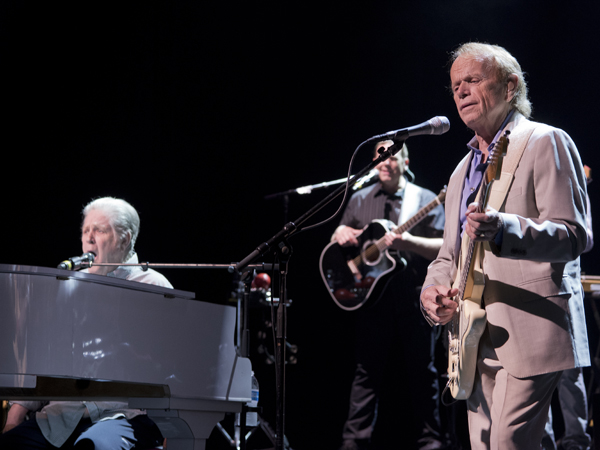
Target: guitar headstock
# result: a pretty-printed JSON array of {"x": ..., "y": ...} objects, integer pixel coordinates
[
  {"x": 495, "y": 158},
  {"x": 442, "y": 195},
  {"x": 588, "y": 174}
]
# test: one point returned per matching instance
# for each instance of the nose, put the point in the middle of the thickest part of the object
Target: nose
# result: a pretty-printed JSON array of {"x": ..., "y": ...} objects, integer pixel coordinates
[{"x": 462, "y": 90}]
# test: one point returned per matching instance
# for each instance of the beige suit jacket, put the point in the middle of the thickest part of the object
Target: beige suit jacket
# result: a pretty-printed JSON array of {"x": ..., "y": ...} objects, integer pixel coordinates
[{"x": 533, "y": 295}]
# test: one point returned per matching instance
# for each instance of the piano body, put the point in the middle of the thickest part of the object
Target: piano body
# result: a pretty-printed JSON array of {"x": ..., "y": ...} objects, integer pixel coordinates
[{"x": 84, "y": 337}]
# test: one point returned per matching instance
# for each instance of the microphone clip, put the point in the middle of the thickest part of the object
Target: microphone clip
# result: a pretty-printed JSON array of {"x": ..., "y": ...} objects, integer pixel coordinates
[
  {"x": 386, "y": 153},
  {"x": 78, "y": 262}
]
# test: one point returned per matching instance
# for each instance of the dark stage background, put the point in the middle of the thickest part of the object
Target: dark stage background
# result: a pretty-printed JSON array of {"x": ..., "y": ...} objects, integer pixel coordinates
[{"x": 195, "y": 111}]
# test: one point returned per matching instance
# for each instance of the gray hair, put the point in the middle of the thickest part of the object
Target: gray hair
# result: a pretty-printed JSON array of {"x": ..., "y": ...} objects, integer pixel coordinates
[
  {"x": 122, "y": 216},
  {"x": 504, "y": 64}
]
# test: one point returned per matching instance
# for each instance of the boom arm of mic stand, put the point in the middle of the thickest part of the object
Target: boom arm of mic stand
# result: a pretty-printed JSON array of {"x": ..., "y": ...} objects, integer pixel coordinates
[
  {"x": 289, "y": 228},
  {"x": 146, "y": 265},
  {"x": 306, "y": 189}
]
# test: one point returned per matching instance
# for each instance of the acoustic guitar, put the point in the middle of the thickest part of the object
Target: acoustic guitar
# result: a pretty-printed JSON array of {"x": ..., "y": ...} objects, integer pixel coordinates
[{"x": 357, "y": 275}]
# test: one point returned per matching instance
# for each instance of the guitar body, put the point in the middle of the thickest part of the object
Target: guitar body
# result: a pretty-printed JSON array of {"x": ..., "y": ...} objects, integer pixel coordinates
[
  {"x": 464, "y": 340},
  {"x": 468, "y": 324},
  {"x": 355, "y": 276},
  {"x": 462, "y": 355}
]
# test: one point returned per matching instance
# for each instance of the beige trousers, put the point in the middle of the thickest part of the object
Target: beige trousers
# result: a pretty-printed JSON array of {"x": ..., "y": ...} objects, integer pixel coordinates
[{"x": 507, "y": 413}]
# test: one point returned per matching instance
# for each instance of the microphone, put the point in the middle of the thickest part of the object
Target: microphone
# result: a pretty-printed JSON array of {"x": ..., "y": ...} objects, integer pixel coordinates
[
  {"x": 436, "y": 125},
  {"x": 372, "y": 176},
  {"x": 77, "y": 262}
]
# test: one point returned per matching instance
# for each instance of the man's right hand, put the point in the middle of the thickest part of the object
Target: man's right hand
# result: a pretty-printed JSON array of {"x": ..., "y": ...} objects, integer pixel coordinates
[
  {"x": 346, "y": 236},
  {"x": 437, "y": 303}
]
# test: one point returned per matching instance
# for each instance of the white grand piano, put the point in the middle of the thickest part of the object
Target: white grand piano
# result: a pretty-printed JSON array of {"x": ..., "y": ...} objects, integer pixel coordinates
[{"x": 78, "y": 336}]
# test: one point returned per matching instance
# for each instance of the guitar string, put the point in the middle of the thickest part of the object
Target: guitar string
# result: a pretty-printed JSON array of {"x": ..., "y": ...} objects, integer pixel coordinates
[
  {"x": 452, "y": 335},
  {"x": 375, "y": 249}
]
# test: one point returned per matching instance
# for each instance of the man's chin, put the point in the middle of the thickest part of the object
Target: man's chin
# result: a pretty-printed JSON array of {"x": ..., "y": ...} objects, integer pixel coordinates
[{"x": 99, "y": 270}]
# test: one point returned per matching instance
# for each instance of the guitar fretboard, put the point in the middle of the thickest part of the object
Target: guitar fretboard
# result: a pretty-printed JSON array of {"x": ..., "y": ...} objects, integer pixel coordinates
[
  {"x": 493, "y": 169},
  {"x": 375, "y": 249}
]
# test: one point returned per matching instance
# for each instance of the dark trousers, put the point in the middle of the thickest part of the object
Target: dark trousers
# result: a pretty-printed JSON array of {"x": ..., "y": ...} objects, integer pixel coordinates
[
  {"x": 395, "y": 355},
  {"x": 139, "y": 433}
]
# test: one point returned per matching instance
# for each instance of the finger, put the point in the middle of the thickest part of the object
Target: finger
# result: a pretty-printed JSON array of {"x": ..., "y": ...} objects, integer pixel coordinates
[
  {"x": 445, "y": 307},
  {"x": 477, "y": 219},
  {"x": 443, "y": 316},
  {"x": 471, "y": 233},
  {"x": 472, "y": 207},
  {"x": 452, "y": 292},
  {"x": 477, "y": 232},
  {"x": 447, "y": 310},
  {"x": 442, "y": 301}
]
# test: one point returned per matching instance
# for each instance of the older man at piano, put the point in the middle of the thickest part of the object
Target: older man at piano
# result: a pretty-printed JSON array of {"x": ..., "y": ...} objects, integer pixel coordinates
[{"x": 109, "y": 230}]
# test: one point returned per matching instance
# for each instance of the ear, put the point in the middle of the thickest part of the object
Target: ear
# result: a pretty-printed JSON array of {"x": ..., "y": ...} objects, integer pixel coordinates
[
  {"x": 406, "y": 162},
  {"x": 126, "y": 240},
  {"x": 511, "y": 86}
]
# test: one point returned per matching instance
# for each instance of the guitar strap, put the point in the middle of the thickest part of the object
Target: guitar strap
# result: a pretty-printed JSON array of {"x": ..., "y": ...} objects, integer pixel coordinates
[
  {"x": 410, "y": 203},
  {"x": 516, "y": 148},
  {"x": 517, "y": 142}
]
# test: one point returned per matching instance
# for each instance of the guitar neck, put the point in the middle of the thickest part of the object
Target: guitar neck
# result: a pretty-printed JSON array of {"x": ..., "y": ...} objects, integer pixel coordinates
[
  {"x": 420, "y": 215},
  {"x": 468, "y": 257},
  {"x": 464, "y": 276},
  {"x": 380, "y": 245},
  {"x": 492, "y": 172}
]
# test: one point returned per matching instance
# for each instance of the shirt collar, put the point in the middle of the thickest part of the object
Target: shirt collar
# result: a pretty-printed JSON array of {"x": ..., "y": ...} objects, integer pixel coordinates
[
  {"x": 473, "y": 144},
  {"x": 124, "y": 271},
  {"x": 399, "y": 193}
]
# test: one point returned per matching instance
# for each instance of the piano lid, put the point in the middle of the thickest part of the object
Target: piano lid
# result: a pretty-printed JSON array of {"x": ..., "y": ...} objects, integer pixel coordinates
[
  {"x": 55, "y": 323},
  {"x": 92, "y": 278}
]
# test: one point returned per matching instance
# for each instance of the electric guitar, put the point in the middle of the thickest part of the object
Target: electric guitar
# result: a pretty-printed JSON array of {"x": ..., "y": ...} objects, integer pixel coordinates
[
  {"x": 357, "y": 274},
  {"x": 468, "y": 324}
]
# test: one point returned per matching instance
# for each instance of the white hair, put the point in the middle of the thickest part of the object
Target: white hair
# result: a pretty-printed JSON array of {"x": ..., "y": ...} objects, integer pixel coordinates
[
  {"x": 504, "y": 64},
  {"x": 122, "y": 216}
]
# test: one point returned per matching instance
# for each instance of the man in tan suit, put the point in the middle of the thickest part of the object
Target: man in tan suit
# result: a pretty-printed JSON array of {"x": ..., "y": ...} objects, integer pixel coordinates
[{"x": 533, "y": 296}]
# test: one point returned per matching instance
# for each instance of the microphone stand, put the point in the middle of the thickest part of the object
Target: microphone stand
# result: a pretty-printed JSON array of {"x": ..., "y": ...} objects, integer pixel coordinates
[
  {"x": 308, "y": 189},
  {"x": 279, "y": 245}
]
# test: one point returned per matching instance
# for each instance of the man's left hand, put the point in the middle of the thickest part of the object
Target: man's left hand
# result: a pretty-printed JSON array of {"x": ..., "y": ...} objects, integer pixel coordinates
[
  {"x": 398, "y": 241},
  {"x": 482, "y": 226}
]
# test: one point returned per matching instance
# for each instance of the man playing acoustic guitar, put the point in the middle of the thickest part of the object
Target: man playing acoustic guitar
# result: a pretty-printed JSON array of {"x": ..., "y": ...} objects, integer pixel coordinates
[
  {"x": 530, "y": 313},
  {"x": 390, "y": 332}
]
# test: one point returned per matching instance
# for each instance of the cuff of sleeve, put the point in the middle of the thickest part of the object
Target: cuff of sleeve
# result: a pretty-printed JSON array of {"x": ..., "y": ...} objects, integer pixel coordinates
[
  {"x": 427, "y": 318},
  {"x": 496, "y": 244},
  {"x": 511, "y": 231}
]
